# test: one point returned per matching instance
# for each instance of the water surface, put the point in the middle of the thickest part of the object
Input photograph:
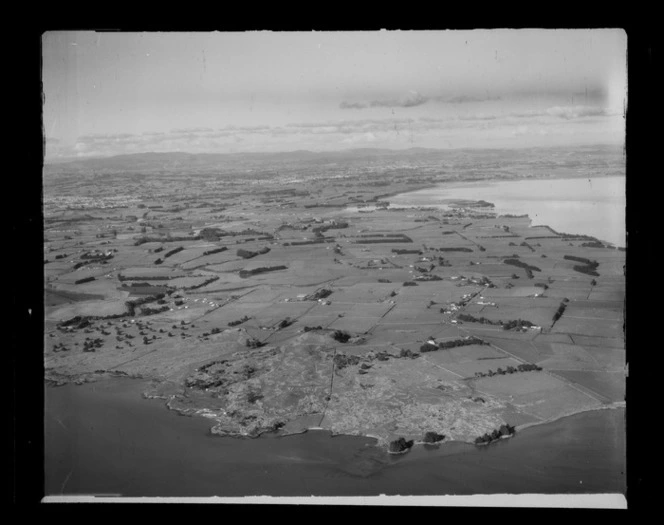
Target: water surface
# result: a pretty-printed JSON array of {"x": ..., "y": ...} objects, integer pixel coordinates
[
  {"x": 591, "y": 206},
  {"x": 103, "y": 438}
]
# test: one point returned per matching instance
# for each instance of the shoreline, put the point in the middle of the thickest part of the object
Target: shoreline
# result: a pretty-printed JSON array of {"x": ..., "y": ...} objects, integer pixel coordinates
[
  {"x": 379, "y": 442},
  {"x": 473, "y": 183},
  {"x": 611, "y": 406},
  {"x": 453, "y": 185},
  {"x": 58, "y": 379}
]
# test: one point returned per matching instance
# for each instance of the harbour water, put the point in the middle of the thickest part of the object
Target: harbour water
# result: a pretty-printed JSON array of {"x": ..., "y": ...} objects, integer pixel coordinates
[
  {"x": 591, "y": 206},
  {"x": 104, "y": 438}
]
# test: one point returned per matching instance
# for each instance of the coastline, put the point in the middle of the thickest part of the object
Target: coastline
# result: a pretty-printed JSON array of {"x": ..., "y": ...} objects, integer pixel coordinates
[
  {"x": 483, "y": 182},
  {"x": 379, "y": 442},
  {"x": 611, "y": 406},
  {"x": 461, "y": 185},
  {"x": 98, "y": 375},
  {"x": 214, "y": 464}
]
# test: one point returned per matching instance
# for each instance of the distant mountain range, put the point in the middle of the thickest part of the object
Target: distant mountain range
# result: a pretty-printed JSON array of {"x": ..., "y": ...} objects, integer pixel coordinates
[
  {"x": 211, "y": 158},
  {"x": 156, "y": 161},
  {"x": 142, "y": 162}
]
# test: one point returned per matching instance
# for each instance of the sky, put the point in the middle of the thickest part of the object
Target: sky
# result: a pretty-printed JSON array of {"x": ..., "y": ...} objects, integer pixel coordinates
[{"x": 110, "y": 93}]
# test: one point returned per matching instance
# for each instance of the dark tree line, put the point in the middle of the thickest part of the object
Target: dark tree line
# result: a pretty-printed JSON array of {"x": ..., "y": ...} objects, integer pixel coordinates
[
  {"x": 216, "y": 250},
  {"x": 525, "y": 367},
  {"x": 262, "y": 269},
  {"x": 588, "y": 267},
  {"x": 248, "y": 254},
  {"x": 517, "y": 325},
  {"x": 333, "y": 226},
  {"x": 318, "y": 294},
  {"x": 204, "y": 283},
  {"x": 446, "y": 345},
  {"x": 396, "y": 238},
  {"x": 520, "y": 264},
  {"x": 238, "y": 321},
  {"x": 143, "y": 240},
  {"x": 504, "y": 430},
  {"x": 406, "y": 252},
  {"x": 561, "y": 310}
]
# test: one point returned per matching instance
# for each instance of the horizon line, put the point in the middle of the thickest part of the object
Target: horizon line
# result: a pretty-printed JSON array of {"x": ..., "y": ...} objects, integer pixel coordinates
[{"x": 66, "y": 160}]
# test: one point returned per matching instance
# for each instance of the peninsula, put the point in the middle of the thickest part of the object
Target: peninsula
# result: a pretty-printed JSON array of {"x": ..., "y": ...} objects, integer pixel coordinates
[{"x": 282, "y": 292}]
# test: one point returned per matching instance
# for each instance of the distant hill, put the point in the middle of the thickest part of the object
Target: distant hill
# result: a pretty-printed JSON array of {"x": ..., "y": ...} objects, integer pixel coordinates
[
  {"x": 157, "y": 161},
  {"x": 209, "y": 162}
]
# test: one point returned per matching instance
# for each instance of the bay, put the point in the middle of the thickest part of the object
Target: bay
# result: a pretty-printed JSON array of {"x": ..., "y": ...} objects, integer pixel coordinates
[{"x": 591, "y": 206}]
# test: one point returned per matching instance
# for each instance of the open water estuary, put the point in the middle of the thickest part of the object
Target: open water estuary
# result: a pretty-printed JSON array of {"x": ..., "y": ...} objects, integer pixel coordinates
[
  {"x": 104, "y": 438},
  {"x": 590, "y": 206}
]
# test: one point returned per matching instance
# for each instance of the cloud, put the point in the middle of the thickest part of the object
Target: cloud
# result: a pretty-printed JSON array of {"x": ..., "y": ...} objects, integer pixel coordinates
[
  {"x": 409, "y": 100},
  {"x": 353, "y": 105},
  {"x": 565, "y": 112},
  {"x": 192, "y": 130},
  {"x": 466, "y": 99},
  {"x": 551, "y": 121},
  {"x": 521, "y": 130},
  {"x": 572, "y": 112},
  {"x": 478, "y": 116},
  {"x": 359, "y": 139}
]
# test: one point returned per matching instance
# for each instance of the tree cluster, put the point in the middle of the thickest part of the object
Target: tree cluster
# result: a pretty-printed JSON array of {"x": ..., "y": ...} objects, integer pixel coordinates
[
  {"x": 433, "y": 437},
  {"x": 238, "y": 321},
  {"x": 560, "y": 311},
  {"x": 520, "y": 264},
  {"x": 285, "y": 323},
  {"x": 504, "y": 430},
  {"x": 341, "y": 336},
  {"x": 400, "y": 445},
  {"x": 216, "y": 250},
  {"x": 332, "y": 226},
  {"x": 406, "y": 252},
  {"x": 460, "y": 249},
  {"x": 90, "y": 345},
  {"x": 467, "y": 318},
  {"x": 153, "y": 311},
  {"x": 524, "y": 367},
  {"x": 518, "y": 324},
  {"x": 318, "y": 294},
  {"x": 262, "y": 269},
  {"x": 446, "y": 345},
  {"x": 248, "y": 254},
  {"x": 204, "y": 283},
  {"x": 145, "y": 239}
]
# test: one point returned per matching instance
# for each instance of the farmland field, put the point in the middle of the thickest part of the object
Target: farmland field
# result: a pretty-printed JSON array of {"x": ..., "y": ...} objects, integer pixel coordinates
[{"x": 348, "y": 332}]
